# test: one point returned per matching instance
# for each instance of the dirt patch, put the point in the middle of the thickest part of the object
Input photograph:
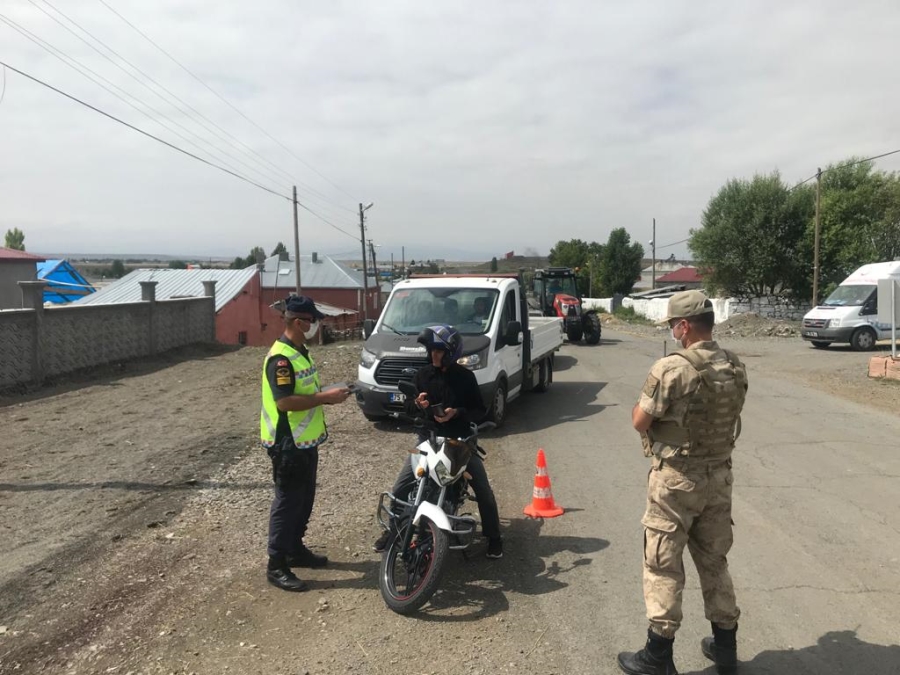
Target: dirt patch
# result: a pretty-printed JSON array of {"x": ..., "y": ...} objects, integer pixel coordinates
[
  {"x": 134, "y": 542},
  {"x": 754, "y": 325}
]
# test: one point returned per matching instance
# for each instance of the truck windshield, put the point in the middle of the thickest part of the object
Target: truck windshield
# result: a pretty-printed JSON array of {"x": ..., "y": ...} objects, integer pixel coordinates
[
  {"x": 849, "y": 296},
  {"x": 469, "y": 310}
]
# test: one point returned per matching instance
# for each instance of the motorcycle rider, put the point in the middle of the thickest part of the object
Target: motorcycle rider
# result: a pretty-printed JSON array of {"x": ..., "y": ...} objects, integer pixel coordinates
[{"x": 445, "y": 386}]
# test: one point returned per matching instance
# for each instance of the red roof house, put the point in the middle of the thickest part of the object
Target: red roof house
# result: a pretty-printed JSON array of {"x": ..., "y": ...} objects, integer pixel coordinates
[{"x": 15, "y": 266}]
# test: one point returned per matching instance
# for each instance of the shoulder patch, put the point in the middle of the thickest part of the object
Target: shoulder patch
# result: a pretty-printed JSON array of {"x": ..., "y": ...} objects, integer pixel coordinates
[
  {"x": 282, "y": 363},
  {"x": 650, "y": 386}
]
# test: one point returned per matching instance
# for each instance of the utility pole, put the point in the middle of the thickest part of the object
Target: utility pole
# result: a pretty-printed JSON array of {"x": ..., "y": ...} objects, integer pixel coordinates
[
  {"x": 653, "y": 246},
  {"x": 362, "y": 241},
  {"x": 392, "y": 270},
  {"x": 815, "y": 295},
  {"x": 296, "y": 243},
  {"x": 403, "y": 259}
]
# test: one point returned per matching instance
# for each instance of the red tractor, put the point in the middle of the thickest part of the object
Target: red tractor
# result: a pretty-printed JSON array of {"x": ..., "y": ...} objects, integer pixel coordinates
[{"x": 556, "y": 294}]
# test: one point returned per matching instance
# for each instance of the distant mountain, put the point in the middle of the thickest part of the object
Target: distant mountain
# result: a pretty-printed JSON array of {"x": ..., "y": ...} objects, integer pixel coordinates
[{"x": 135, "y": 257}]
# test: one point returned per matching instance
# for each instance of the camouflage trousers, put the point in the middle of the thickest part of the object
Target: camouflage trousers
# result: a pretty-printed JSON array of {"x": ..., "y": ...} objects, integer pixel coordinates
[{"x": 688, "y": 503}]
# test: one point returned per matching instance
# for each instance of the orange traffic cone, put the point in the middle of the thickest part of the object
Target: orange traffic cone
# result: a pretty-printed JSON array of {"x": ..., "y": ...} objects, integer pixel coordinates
[{"x": 542, "y": 504}]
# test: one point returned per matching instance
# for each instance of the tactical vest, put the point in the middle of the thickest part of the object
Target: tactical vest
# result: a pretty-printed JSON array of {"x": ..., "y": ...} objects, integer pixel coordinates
[
  {"x": 307, "y": 426},
  {"x": 712, "y": 421}
]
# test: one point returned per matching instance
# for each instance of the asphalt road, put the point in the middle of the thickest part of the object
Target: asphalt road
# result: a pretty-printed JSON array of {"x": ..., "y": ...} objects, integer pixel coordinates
[{"x": 816, "y": 561}]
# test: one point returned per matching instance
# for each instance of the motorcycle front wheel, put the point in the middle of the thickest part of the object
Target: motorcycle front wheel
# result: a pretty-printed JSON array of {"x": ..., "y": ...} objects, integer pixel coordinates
[{"x": 407, "y": 582}]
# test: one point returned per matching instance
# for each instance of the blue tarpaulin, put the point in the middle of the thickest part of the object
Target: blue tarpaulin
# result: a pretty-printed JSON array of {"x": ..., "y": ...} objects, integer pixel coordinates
[{"x": 65, "y": 283}]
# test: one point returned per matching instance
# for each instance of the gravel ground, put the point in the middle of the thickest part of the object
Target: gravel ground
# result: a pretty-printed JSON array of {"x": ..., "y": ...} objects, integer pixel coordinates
[{"x": 134, "y": 511}]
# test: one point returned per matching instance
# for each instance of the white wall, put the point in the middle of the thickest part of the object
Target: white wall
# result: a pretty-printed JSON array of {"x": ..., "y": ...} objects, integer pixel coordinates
[{"x": 655, "y": 309}]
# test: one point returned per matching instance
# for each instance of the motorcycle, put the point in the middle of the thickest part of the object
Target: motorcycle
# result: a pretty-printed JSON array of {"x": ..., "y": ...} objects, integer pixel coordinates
[{"x": 425, "y": 525}]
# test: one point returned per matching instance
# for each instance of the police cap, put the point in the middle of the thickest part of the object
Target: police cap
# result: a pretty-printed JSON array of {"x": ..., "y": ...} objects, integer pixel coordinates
[{"x": 295, "y": 305}]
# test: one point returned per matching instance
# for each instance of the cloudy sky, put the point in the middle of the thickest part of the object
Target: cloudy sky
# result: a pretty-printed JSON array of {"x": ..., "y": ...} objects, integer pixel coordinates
[{"x": 476, "y": 128}]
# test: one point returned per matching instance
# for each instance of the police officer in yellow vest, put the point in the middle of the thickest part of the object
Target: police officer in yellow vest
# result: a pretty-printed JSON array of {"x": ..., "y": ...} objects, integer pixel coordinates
[
  {"x": 688, "y": 416},
  {"x": 292, "y": 427}
]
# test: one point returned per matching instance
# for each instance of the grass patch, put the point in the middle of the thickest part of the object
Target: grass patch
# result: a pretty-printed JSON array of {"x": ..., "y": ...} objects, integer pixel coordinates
[{"x": 628, "y": 315}]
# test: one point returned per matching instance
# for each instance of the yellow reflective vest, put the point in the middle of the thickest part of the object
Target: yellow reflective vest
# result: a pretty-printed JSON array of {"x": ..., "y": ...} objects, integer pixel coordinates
[{"x": 307, "y": 426}]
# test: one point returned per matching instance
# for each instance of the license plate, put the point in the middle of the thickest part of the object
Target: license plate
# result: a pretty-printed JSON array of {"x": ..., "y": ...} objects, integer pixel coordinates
[
  {"x": 810, "y": 333},
  {"x": 398, "y": 397}
]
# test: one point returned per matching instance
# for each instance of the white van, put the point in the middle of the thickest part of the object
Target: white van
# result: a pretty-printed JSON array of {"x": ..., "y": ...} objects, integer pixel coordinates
[{"x": 849, "y": 314}]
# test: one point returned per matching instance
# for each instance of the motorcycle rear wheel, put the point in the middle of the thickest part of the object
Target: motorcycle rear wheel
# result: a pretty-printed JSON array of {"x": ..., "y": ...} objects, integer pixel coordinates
[{"x": 407, "y": 584}]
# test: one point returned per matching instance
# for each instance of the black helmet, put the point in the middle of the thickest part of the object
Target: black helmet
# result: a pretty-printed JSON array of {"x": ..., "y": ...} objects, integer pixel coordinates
[{"x": 442, "y": 337}]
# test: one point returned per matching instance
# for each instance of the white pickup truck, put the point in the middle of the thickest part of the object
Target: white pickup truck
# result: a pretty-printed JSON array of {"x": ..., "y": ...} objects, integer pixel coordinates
[{"x": 509, "y": 351}]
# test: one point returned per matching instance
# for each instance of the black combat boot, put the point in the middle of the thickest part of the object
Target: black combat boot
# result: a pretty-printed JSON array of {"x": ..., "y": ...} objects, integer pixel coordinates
[
  {"x": 721, "y": 649},
  {"x": 279, "y": 575},
  {"x": 654, "y": 659}
]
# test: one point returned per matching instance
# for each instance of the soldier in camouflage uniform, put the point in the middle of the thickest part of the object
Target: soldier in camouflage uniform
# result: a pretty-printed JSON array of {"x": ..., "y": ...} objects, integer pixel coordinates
[{"x": 688, "y": 416}]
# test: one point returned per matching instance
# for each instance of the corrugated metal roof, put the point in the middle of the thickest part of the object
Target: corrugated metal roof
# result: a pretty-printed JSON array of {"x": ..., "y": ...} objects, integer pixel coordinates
[
  {"x": 64, "y": 282},
  {"x": 325, "y": 273},
  {"x": 173, "y": 284},
  {"x": 18, "y": 256}
]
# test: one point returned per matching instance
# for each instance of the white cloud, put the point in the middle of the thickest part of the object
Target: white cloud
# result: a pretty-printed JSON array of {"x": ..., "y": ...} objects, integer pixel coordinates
[{"x": 473, "y": 126}]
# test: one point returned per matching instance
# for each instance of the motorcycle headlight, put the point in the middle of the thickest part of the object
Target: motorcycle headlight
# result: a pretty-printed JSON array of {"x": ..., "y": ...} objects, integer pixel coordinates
[
  {"x": 443, "y": 474},
  {"x": 475, "y": 361},
  {"x": 367, "y": 359}
]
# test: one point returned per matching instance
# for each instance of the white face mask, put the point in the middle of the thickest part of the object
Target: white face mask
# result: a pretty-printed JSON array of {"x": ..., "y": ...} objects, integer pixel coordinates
[
  {"x": 675, "y": 339},
  {"x": 310, "y": 333}
]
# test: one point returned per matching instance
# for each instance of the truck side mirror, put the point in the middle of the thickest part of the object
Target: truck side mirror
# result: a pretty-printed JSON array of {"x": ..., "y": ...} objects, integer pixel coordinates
[
  {"x": 513, "y": 334},
  {"x": 368, "y": 327}
]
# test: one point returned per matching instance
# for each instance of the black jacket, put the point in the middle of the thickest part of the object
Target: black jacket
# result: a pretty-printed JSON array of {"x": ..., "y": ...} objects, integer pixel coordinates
[{"x": 454, "y": 388}]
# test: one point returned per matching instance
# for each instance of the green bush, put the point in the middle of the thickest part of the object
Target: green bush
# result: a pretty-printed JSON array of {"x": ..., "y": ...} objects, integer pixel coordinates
[{"x": 628, "y": 315}]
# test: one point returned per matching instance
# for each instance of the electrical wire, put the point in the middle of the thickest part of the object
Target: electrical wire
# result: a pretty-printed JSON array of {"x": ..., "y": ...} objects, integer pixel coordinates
[
  {"x": 3, "y": 91},
  {"x": 249, "y": 150},
  {"x": 144, "y": 133},
  {"x": 173, "y": 146},
  {"x": 232, "y": 106},
  {"x": 674, "y": 243},
  {"x": 95, "y": 77},
  {"x": 264, "y": 173},
  {"x": 842, "y": 166}
]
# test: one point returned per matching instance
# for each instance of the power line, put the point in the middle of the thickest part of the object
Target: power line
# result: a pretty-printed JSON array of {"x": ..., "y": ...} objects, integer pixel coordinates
[
  {"x": 168, "y": 101},
  {"x": 3, "y": 92},
  {"x": 144, "y": 133},
  {"x": 674, "y": 243},
  {"x": 326, "y": 221},
  {"x": 95, "y": 77},
  {"x": 842, "y": 166},
  {"x": 233, "y": 139},
  {"x": 174, "y": 147},
  {"x": 232, "y": 106}
]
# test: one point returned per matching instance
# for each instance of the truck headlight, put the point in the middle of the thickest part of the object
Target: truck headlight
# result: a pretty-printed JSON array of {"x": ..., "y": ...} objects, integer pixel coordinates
[
  {"x": 832, "y": 323},
  {"x": 475, "y": 361},
  {"x": 367, "y": 359}
]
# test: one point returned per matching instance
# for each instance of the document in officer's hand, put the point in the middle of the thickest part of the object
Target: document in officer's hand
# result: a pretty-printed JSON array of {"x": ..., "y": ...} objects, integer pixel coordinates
[{"x": 341, "y": 385}]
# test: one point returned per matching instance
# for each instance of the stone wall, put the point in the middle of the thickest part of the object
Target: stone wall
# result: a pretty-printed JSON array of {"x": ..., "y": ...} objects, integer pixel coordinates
[
  {"x": 40, "y": 342},
  {"x": 770, "y": 307}
]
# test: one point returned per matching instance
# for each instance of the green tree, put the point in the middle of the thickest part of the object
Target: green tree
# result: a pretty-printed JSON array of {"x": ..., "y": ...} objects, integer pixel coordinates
[
  {"x": 578, "y": 255},
  {"x": 752, "y": 240},
  {"x": 279, "y": 249},
  {"x": 620, "y": 263},
  {"x": 494, "y": 264},
  {"x": 177, "y": 265},
  {"x": 257, "y": 255},
  {"x": 572, "y": 253},
  {"x": 860, "y": 219},
  {"x": 237, "y": 264},
  {"x": 117, "y": 269},
  {"x": 15, "y": 239}
]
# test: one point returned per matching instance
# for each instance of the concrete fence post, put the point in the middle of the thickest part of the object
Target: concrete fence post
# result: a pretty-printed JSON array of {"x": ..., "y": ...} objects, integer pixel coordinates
[
  {"x": 33, "y": 298},
  {"x": 209, "y": 290},
  {"x": 148, "y": 294}
]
